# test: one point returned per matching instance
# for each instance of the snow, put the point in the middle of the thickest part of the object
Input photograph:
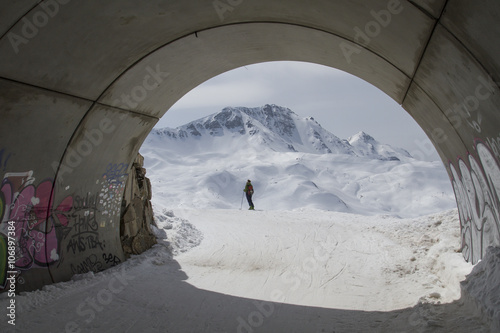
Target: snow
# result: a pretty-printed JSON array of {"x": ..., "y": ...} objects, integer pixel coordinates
[
  {"x": 288, "y": 180},
  {"x": 305, "y": 270},
  {"x": 207, "y": 170},
  {"x": 484, "y": 284},
  {"x": 362, "y": 239},
  {"x": 334, "y": 257}
]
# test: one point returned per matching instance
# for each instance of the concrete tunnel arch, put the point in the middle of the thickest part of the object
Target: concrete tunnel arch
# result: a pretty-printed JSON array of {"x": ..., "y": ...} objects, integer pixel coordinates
[{"x": 83, "y": 83}]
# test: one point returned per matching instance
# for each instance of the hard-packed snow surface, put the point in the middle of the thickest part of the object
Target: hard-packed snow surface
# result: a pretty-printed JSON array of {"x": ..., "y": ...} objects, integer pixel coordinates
[
  {"x": 334, "y": 260},
  {"x": 305, "y": 270}
]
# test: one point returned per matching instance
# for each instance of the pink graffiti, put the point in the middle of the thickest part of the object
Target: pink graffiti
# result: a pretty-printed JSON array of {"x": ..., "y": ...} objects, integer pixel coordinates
[
  {"x": 31, "y": 208},
  {"x": 477, "y": 190}
]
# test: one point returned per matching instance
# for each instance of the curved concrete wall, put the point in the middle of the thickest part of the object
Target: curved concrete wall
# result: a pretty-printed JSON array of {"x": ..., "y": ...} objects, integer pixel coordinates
[{"x": 83, "y": 82}]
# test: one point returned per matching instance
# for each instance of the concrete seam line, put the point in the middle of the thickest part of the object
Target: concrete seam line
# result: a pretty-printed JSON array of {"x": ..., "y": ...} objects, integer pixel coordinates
[
  {"x": 236, "y": 24},
  {"x": 440, "y": 110},
  {"x": 424, "y": 50},
  {"x": 18, "y": 20}
]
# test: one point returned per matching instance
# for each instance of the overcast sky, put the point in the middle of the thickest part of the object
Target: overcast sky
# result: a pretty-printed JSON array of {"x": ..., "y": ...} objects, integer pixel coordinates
[{"x": 340, "y": 102}]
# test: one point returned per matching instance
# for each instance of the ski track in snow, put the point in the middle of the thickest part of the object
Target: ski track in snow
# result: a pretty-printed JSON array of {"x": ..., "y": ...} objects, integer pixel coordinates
[
  {"x": 269, "y": 271},
  {"x": 303, "y": 251}
]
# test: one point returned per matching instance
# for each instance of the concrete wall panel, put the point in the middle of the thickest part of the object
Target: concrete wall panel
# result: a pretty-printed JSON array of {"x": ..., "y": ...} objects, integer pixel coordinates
[
  {"x": 376, "y": 25},
  {"x": 471, "y": 24},
  {"x": 12, "y": 11},
  {"x": 84, "y": 45},
  {"x": 60, "y": 50},
  {"x": 89, "y": 233},
  {"x": 157, "y": 82},
  {"x": 433, "y": 7},
  {"x": 465, "y": 93},
  {"x": 35, "y": 128},
  {"x": 438, "y": 128}
]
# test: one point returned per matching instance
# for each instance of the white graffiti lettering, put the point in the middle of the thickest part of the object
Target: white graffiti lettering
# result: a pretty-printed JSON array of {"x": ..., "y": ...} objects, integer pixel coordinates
[{"x": 477, "y": 190}]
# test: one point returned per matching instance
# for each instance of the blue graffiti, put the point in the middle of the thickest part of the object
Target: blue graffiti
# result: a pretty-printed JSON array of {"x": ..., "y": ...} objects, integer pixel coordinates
[
  {"x": 4, "y": 159},
  {"x": 115, "y": 172}
]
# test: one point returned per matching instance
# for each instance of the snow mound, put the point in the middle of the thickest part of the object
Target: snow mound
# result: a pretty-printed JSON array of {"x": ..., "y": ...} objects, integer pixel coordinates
[
  {"x": 179, "y": 234},
  {"x": 482, "y": 288}
]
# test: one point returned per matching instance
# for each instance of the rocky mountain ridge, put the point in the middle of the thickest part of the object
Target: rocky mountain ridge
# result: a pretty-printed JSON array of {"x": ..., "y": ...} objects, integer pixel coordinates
[{"x": 276, "y": 128}]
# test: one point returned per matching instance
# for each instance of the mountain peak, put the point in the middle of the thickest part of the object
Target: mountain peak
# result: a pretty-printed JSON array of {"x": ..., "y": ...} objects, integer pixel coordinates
[
  {"x": 366, "y": 145},
  {"x": 361, "y": 136}
]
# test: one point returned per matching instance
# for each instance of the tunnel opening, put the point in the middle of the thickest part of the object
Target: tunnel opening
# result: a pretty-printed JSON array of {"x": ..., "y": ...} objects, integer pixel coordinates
[
  {"x": 105, "y": 90},
  {"x": 219, "y": 127},
  {"x": 215, "y": 181}
]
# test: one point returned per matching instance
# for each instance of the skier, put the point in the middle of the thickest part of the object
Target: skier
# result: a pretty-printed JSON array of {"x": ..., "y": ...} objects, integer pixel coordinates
[{"x": 249, "y": 192}]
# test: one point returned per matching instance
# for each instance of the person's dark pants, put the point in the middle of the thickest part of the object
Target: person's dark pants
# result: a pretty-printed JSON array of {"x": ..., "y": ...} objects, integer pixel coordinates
[{"x": 249, "y": 199}]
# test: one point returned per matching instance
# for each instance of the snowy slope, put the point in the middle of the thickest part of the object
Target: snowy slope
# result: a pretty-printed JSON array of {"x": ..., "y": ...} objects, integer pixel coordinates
[{"x": 293, "y": 162}]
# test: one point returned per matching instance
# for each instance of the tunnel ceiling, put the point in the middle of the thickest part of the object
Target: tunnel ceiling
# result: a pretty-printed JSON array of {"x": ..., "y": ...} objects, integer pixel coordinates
[{"x": 83, "y": 82}]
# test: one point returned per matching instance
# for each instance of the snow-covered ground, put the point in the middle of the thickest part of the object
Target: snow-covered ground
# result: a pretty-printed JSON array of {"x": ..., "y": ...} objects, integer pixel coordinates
[
  {"x": 305, "y": 270},
  {"x": 327, "y": 259}
]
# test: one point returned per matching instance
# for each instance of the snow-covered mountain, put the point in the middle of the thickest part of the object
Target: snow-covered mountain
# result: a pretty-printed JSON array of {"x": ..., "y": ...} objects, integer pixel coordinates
[
  {"x": 277, "y": 128},
  {"x": 365, "y": 145},
  {"x": 293, "y": 163}
]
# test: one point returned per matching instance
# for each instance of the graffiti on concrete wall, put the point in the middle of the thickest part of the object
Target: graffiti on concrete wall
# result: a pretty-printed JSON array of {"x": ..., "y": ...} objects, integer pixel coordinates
[
  {"x": 92, "y": 212},
  {"x": 90, "y": 264},
  {"x": 41, "y": 224},
  {"x": 35, "y": 215},
  {"x": 112, "y": 185},
  {"x": 4, "y": 159},
  {"x": 476, "y": 183},
  {"x": 83, "y": 232}
]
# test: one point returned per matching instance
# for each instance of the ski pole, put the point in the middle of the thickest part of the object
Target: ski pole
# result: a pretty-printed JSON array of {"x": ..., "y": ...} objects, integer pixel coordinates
[{"x": 241, "y": 206}]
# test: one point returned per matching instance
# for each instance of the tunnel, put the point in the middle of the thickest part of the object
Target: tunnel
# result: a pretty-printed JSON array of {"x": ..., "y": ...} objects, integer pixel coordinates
[{"x": 82, "y": 83}]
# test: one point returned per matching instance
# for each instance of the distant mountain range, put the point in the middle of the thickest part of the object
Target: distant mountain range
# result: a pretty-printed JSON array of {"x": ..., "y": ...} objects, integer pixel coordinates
[
  {"x": 276, "y": 128},
  {"x": 293, "y": 163}
]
